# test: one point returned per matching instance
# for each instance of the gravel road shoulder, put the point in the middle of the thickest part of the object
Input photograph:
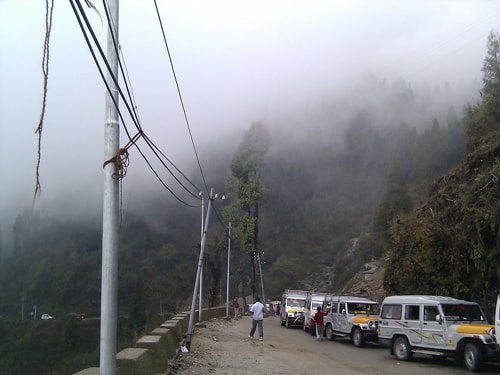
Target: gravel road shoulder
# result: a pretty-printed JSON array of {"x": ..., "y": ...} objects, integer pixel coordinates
[{"x": 223, "y": 347}]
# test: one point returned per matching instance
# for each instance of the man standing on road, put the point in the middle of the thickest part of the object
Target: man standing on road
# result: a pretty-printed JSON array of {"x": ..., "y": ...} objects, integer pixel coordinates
[{"x": 258, "y": 315}]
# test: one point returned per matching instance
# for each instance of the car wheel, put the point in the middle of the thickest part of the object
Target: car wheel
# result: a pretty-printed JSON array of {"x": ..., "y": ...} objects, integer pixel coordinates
[
  {"x": 402, "y": 349},
  {"x": 358, "y": 339},
  {"x": 329, "y": 333},
  {"x": 473, "y": 357}
]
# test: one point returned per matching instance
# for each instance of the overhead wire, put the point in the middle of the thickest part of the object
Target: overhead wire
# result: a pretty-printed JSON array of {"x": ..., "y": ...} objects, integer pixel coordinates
[
  {"x": 220, "y": 219},
  {"x": 148, "y": 141},
  {"x": 217, "y": 213},
  {"x": 118, "y": 51},
  {"x": 131, "y": 113},
  {"x": 440, "y": 46},
  {"x": 180, "y": 96},
  {"x": 132, "y": 108}
]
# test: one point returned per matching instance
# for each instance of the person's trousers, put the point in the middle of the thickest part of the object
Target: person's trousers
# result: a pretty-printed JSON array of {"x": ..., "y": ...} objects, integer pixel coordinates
[
  {"x": 319, "y": 331},
  {"x": 256, "y": 323}
]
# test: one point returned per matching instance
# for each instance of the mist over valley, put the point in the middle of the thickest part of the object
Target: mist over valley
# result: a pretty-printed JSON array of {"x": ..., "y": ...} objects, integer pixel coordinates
[{"x": 340, "y": 134}]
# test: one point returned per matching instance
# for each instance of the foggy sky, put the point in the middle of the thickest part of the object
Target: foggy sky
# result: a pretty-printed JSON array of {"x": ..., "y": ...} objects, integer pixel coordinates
[{"x": 236, "y": 62}]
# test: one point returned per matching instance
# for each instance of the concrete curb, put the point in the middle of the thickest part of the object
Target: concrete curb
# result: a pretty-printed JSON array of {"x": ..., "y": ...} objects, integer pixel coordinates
[{"x": 153, "y": 352}]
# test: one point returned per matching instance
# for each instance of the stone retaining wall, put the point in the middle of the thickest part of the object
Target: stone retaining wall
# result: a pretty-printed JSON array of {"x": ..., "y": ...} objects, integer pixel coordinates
[{"x": 152, "y": 352}]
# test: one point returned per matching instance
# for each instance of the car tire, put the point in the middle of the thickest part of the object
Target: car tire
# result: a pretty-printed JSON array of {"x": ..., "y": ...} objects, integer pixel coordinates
[
  {"x": 473, "y": 357},
  {"x": 402, "y": 349},
  {"x": 357, "y": 337},
  {"x": 329, "y": 332}
]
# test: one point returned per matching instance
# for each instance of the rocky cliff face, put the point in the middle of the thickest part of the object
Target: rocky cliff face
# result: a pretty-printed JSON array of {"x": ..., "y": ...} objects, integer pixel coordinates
[{"x": 369, "y": 281}]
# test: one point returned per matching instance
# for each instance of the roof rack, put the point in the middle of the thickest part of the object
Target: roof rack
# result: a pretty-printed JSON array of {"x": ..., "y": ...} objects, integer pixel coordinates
[
  {"x": 338, "y": 296},
  {"x": 295, "y": 291}
]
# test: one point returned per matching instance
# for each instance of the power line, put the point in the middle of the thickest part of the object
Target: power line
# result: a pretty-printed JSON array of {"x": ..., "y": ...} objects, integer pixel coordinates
[
  {"x": 132, "y": 113},
  {"x": 180, "y": 96},
  {"x": 221, "y": 220},
  {"x": 152, "y": 146},
  {"x": 443, "y": 48}
]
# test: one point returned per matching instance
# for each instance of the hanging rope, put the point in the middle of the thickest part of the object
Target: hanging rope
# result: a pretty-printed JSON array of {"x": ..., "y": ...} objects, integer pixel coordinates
[
  {"x": 121, "y": 160},
  {"x": 49, "y": 9}
]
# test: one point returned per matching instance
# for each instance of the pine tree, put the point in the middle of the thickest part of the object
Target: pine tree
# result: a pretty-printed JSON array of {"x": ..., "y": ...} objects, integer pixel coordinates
[
  {"x": 482, "y": 119},
  {"x": 395, "y": 201},
  {"x": 247, "y": 189},
  {"x": 491, "y": 65}
]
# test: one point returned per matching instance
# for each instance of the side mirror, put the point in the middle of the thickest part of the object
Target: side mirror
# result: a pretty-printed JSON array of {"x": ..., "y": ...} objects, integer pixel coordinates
[
  {"x": 343, "y": 312},
  {"x": 439, "y": 319}
]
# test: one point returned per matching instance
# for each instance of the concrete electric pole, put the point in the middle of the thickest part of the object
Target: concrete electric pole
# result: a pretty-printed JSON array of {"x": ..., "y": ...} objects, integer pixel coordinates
[{"x": 110, "y": 214}]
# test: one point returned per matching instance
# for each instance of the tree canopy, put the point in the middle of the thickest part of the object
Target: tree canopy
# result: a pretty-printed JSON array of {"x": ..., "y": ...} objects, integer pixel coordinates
[{"x": 247, "y": 191}]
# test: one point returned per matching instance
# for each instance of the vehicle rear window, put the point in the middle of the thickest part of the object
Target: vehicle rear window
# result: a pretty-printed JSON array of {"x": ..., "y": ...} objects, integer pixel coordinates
[{"x": 391, "y": 312}]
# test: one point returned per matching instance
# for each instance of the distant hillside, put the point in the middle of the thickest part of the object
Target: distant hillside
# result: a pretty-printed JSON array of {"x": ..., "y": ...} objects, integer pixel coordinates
[
  {"x": 450, "y": 244},
  {"x": 325, "y": 191}
]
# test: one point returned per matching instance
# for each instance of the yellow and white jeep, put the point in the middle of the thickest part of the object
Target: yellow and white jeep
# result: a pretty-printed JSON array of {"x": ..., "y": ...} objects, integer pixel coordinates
[
  {"x": 437, "y": 326},
  {"x": 293, "y": 308},
  {"x": 351, "y": 316}
]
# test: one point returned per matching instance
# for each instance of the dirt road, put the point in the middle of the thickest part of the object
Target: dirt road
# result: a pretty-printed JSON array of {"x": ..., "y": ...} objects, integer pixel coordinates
[{"x": 223, "y": 347}]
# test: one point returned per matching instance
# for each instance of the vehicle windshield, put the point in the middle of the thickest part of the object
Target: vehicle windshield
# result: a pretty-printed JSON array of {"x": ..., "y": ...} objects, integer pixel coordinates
[
  {"x": 461, "y": 312},
  {"x": 363, "y": 308},
  {"x": 315, "y": 304},
  {"x": 296, "y": 302}
]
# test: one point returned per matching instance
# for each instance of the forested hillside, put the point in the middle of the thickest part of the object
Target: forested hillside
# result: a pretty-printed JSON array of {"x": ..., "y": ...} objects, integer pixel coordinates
[
  {"x": 450, "y": 244},
  {"x": 344, "y": 174},
  {"x": 326, "y": 191}
]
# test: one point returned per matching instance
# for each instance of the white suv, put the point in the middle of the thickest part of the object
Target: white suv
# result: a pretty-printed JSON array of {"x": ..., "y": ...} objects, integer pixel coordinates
[
  {"x": 351, "y": 316},
  {"x": 292, "y": 308},
  {"x": 437, "y": 326}
]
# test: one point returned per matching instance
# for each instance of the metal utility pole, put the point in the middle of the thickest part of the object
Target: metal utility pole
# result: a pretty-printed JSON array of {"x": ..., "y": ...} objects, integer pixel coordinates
[
  {"x": 200, "y": 300},
  {"x": 228, "y": 257},
  {"x": 198, "y": 273},
  {"x": 261, "y": 280},
  {"x": 110, "y": 214}
]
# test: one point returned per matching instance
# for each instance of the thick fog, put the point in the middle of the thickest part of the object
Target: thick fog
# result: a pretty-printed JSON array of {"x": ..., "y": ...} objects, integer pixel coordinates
[{"x": 278, "y": 62}]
